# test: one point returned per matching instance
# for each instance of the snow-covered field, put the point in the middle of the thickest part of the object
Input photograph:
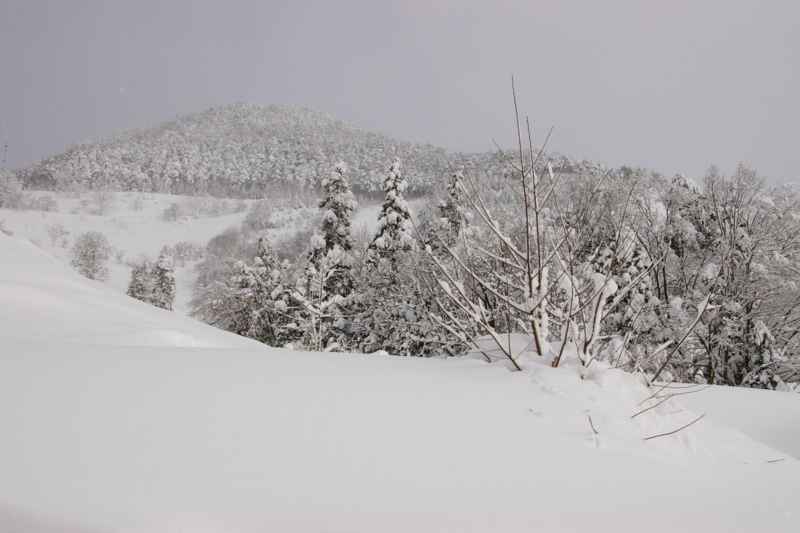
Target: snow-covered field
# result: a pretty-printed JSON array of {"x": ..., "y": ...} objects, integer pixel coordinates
[
  {"x": 134, "y": 232},
  {"x": 120, "y": 417}
]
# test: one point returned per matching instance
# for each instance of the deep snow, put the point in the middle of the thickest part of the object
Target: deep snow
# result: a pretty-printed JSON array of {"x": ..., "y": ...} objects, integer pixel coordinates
[{"x": 119, "y": 417}]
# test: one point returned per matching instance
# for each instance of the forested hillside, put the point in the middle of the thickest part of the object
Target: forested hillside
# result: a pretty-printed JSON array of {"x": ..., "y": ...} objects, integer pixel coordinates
[
  {"x": 245, "y": 150},
  {"x": 533, "y": 252},
  {"x": 238, "y": 150}
]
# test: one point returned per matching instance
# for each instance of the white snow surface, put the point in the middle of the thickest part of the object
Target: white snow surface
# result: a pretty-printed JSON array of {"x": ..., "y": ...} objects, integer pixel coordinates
[
  {"x": 137, "y": 233},
  {"x": 122, "y": 418}
]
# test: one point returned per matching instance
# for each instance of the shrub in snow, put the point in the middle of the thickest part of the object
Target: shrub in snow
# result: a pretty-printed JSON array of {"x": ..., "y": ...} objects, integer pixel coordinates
[
  {"x": 44, "y": 202},
  {"x": 56, "y": 232},
  {"x": 186, "y": 251},
  {"x": 259, "y": 216},
  {"x": 90, "y": 254},
  {"x": 10, "y": 191}
]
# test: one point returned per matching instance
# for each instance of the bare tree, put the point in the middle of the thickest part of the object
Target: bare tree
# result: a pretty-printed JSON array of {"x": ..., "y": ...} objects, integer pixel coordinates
[
  {"x": 56, "y": 232},
  {"x": 104, "y": 202},
  {"x": 534, "y": 274}
]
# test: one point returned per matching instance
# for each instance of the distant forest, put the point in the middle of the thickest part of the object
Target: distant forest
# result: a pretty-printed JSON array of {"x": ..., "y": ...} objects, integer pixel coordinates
[{"x": 248, "y": 150}]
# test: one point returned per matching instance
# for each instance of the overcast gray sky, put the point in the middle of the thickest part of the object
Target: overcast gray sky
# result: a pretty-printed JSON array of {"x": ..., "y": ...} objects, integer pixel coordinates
[{"x": 671, "y": 85}]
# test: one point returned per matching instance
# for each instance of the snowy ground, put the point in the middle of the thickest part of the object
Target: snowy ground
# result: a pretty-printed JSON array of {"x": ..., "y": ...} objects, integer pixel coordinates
[
  {"x": 119, "y": 417},
  {"x": 142, "y": 232},
  {"x": 136, "y": 232}
]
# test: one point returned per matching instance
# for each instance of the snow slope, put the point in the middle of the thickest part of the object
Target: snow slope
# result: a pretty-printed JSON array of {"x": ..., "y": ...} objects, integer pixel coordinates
[
  {"x": 134, "y": 232},
  {"x": 772, "y": 417},
  {"x": 139, "y": 232},
  {"x": 119, "y": 417},
  {"x": 44, "y": 300}
]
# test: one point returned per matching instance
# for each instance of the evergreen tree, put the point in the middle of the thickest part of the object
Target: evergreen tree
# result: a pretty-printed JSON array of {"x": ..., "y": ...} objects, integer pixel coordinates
[
  {"x": 317, "y": 297},
  {"x": 141, "y": 285},
  {"x": 452, "y": 211},
  {"x": 164, "y": 282},
  {"x": 394, "y": 222},
  {"x": 317, "y": 309},
  {"x": 260, "y": 291},
  {"x": 337, "y": 208},
  {"x": 391, "y": 315}
]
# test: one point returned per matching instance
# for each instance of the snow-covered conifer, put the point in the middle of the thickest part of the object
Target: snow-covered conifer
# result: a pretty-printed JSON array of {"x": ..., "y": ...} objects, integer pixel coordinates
[
  {"x": 318, "y": 311},
  {"x": 391, "y": 315},
  {"x": 337, "y": 208},
  {"x": 141, "y": 285},
  {"x": 164, "y": 282},
  {"x": 452, "y": 209},
  {"x": 394, "y": 222}
]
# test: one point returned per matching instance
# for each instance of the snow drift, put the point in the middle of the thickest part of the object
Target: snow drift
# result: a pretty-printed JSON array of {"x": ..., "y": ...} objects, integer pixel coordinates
[{"x": 119, "y": 417}]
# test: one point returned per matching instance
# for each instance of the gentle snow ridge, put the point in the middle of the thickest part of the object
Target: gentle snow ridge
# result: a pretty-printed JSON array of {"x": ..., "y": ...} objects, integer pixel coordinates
[{"x": 113, "y": 422}]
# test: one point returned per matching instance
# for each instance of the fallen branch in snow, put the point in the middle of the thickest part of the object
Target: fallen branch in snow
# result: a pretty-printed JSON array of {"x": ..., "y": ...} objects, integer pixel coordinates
[{"x": 677, "y": 430}]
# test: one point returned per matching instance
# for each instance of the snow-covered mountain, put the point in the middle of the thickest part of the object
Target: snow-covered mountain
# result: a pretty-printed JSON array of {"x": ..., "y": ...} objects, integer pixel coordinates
[
  {"x": 244, "y": 149},
  {"x": 250, "y": 150},
  {"x": 120, "y": 417}
]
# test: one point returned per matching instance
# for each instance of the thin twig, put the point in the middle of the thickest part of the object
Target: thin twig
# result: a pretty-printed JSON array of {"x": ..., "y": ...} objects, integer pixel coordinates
[
  {"x": 682, "y": 393},
  {"x": 677, "y": 430},
  {"x": 655, "y": 393},
  {"x": 652, "y": 406}
]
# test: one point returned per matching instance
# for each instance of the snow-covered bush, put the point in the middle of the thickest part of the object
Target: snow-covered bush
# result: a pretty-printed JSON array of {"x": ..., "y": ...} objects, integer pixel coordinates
[
  {"x": 200, "y": 207},
  {"x": 10, "y": 191},
  {"x": 259, "y": 216},
  {"x": 56, "y": 232},
  {"x": 90, "y": 252},
  {"x": 186, "y": 251}
]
